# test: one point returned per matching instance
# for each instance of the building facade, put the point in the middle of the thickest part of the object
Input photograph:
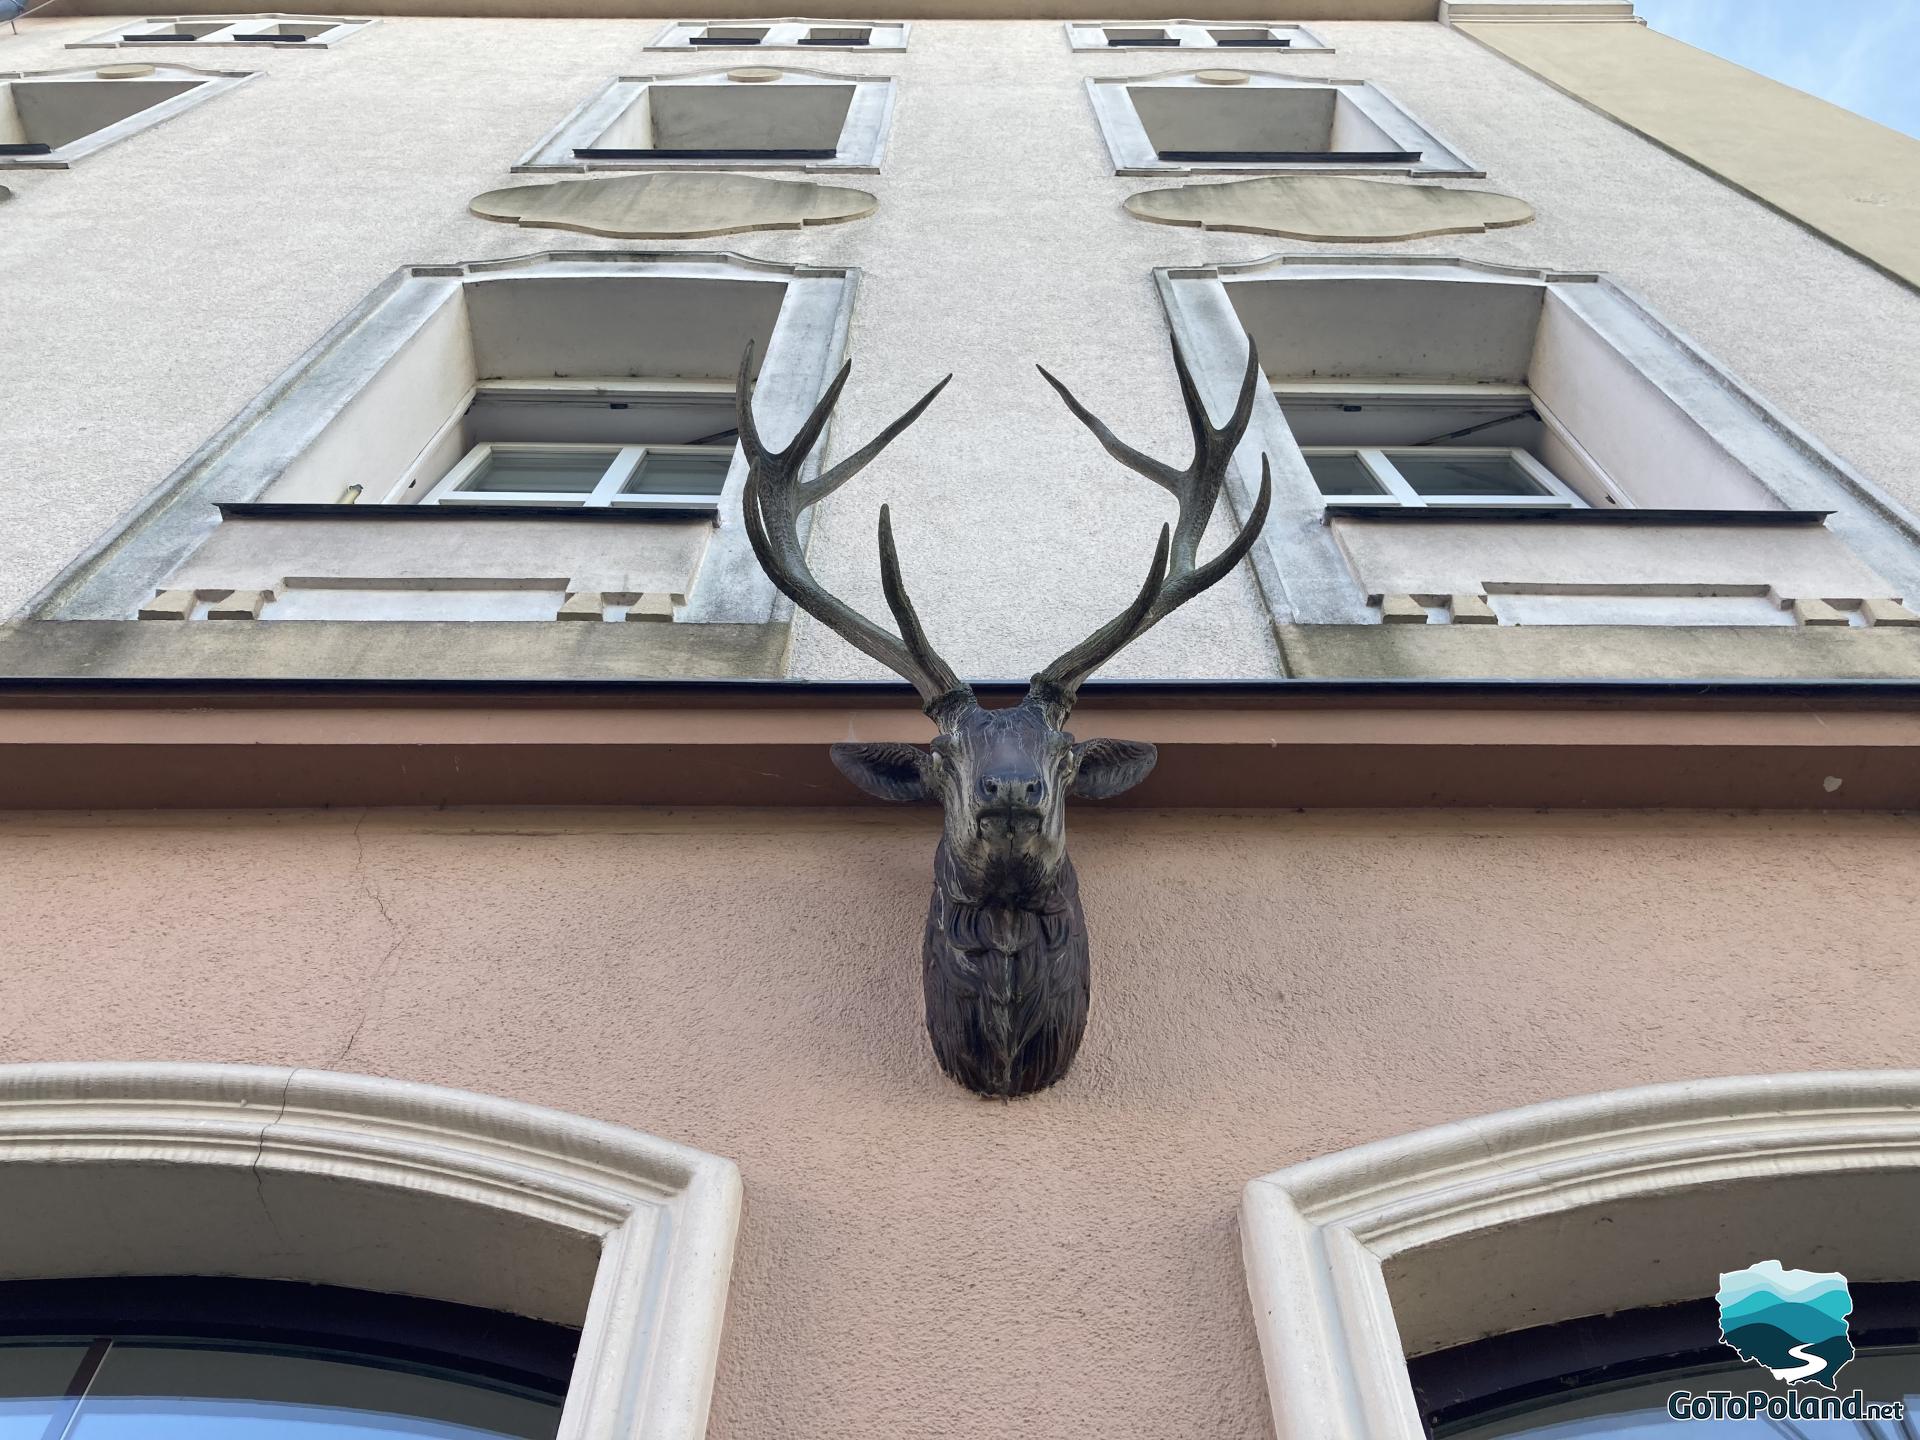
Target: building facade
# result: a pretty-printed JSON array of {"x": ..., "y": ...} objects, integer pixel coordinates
[{"x": 424, "y": 869}]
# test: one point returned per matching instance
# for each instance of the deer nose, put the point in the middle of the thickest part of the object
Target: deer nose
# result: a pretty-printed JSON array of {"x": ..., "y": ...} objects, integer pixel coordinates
[{"x": 1003, "y": 789}]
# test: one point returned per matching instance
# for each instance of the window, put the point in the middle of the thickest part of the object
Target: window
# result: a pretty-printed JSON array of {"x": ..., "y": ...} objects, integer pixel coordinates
[
  {"x": 291, "y": 32},
  {"x": 1611, "y": 1375},
  {"x": 532, "y": 440},
  {"x": 596, "y": 1257},
  {"x": 234, "y": 1359},
  {"x": 49, "y": 119},
  {"x": 1192, "y": 35},
  {"x": 678, "y": 477},
  {"x": 753, "y": 118},
  {"x": 1550, "y": 454},
  {"x": 1367, "y": 1266},
  {"x": 1233, "y": 120},
  {"x": 1436, "y": 477},
  {"x": 787, "y": 34}
]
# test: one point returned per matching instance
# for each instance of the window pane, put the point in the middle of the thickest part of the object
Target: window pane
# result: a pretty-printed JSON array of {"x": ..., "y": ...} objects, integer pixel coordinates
[
  {"x": 163, "y": 1392},
  {"x": 559, "y": 472},
  {"x": 33, "y": 1378},
  {"x": 671, "y": 474},
  {"x": 1343, "y": 475},
  {"x": 1437, "y": 473}
]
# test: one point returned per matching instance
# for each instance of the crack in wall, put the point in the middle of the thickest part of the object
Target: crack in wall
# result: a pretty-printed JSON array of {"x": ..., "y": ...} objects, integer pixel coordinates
[
  {"x": 260, "y": 1150},
  {"x": 383, "y": 972}
]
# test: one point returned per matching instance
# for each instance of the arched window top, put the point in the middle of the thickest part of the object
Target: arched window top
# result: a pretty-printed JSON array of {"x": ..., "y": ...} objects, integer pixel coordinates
[
  {"x": 1574, "y": 1207},
  {"x": 386, "y": 1186}
]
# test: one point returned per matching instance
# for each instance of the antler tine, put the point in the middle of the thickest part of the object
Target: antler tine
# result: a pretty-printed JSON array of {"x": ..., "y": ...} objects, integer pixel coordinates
[
  {"x": 1197, "y": 489},
  {"x": 771, "y": 505}
]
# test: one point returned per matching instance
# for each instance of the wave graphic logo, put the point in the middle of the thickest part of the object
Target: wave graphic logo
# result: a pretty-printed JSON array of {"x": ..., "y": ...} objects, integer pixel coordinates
[{"x": 1794, "y": 1322}]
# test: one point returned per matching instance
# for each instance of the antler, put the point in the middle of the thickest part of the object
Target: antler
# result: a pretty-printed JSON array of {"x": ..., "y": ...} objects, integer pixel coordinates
[
  {"x": 774, "y": 497},
  {"x": 1176, "y": 575}
]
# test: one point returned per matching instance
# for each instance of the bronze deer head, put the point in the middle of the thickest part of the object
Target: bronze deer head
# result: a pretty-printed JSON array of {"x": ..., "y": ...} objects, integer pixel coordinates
[{"x": 1005, "y": 961}]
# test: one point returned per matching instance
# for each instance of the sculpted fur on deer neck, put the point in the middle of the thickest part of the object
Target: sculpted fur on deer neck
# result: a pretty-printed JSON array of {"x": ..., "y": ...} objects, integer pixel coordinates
[{"x": 1004, "y": 964}]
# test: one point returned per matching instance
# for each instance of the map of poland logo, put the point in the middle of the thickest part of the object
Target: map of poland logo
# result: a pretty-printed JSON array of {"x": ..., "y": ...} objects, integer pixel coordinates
[{"x": 1794, "y": 1322}]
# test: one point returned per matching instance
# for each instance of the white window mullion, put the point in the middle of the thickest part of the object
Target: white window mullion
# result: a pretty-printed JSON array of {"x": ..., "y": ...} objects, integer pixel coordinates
[
  {"x": 618, "y": 473},
  {"x": 1382, "y": 469}
]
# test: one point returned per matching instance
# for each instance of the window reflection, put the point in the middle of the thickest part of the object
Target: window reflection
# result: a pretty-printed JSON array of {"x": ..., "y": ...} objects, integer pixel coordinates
[{"x": 118, "y": 1390}]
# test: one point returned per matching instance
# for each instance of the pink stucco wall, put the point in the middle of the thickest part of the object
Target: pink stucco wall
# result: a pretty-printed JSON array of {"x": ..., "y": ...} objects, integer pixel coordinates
[{"x": 914, "y": 1261}]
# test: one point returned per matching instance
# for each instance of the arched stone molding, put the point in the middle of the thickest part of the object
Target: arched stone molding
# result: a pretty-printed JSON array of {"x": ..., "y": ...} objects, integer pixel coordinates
[
  {"x": 385, "y": 1185},
  {"x": 1574, "y": 1207}
]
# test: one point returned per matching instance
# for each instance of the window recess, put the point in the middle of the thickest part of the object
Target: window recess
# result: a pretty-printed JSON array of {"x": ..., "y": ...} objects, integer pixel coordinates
[
  {"x": 305, "y": 32},
  {"x": 1240, "y": 120},
  {"x": 1436, "y": 476},
  {"x": 754, "y": 118},
  {"x": 791, "y": 33},
  {"x": 51, "y": 118},
  {"x": 1192, "y": 35}
]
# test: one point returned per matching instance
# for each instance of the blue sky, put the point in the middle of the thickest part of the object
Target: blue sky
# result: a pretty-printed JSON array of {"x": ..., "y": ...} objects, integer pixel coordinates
[{"x": 1863, "y": 54}]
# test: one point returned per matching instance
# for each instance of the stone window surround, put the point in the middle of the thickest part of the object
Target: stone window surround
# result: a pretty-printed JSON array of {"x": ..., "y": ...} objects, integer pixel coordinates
[
  {"x": 123, "y": 569},
  {"x": 268, "y": 1171},
  {"x": 884, "y": 34},
  {"x": 125, "y": 37},
  {"x": 1192, "y": 34},
  {"x": 1297, "y": 562},
  {"x": 1726, "y": 1170},
  {"x": 213, "y": 83},
  {"x": 863, "y": 135},
  {"x": 1133, "y": 153}
]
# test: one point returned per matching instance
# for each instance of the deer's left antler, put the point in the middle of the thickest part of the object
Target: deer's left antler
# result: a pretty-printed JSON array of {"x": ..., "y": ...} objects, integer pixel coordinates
[{"x": 1176, "y": 575}]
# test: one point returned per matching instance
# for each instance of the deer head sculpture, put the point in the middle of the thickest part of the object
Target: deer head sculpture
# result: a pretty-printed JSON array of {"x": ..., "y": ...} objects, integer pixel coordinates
[{"x": 1005, "y": 961}]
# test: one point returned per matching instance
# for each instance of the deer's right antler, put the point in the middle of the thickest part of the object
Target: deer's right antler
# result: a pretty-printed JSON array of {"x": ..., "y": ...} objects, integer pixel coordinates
[{"x": 774, "y": 498}]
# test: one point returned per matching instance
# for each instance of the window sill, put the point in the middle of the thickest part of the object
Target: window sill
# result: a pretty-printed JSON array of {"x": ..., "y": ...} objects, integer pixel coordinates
[
  {"x": 617, "y": 514},
  {"x": 1543, "y": 514}
]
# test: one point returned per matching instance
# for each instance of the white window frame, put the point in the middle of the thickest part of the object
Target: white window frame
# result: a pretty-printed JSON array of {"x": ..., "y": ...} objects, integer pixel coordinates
[
  {"x": 1566, "y": 1191},
  {"x": 230, "y": 31},
  {"x": 264, "y": 1172},
  {"x": 625, "y": 461},
  {"x": 1196, "y": 35},
  {"x": 1378, "y": 461},
  {"x": 790, "y": 32}
]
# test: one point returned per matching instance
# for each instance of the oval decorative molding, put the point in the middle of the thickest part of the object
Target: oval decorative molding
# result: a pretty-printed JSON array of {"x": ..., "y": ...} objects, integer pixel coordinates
[
  {"x": 1333, "y": 208},
  {"x": 675, "y": 205},
  {"x": 388, "y": 1186}
]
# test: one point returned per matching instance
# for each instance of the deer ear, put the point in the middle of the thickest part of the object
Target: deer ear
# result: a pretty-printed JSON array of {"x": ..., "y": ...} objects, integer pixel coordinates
[
  {"x": 1111, "y": 767},
  {"x": 885, "y": 769}
]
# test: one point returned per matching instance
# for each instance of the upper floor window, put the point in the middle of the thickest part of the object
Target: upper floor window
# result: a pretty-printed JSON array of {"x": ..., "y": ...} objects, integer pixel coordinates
[
  {"x": 1549, "y": 454},
  {"x": 1239, "y": 120},
  {"x": 51, "y": 118},
  {"x": 750, "y": 118},
  {"x": 287, "y": 32},
  {"x": 1193, "y": 35},
  {"x": 786, "y": 34}
]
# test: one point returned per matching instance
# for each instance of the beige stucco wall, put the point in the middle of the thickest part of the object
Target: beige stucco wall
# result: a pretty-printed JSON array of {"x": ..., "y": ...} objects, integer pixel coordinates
[
  {"x": 1844, "y": 176},
  {"x": 915, "y": 1261},
  {"x": 155, "y": 288}
]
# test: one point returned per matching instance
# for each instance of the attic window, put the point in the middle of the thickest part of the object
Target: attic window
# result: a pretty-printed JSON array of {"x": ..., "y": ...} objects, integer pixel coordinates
[
  {"x": 754, "y": 118},
  {"x": 1191, "y": 35},
  {"x": 50, "y": 119},
  {"x": 785, "y": 34},
  {"x": 1229, "y": 120},
  {"x": 288, "y": 31}
]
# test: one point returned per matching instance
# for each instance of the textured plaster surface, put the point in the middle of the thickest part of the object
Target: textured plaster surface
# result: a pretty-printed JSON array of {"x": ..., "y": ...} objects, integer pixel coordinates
[
  {"x": 151, "y": 293},
  {"x": 913, "y": 1261}
]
